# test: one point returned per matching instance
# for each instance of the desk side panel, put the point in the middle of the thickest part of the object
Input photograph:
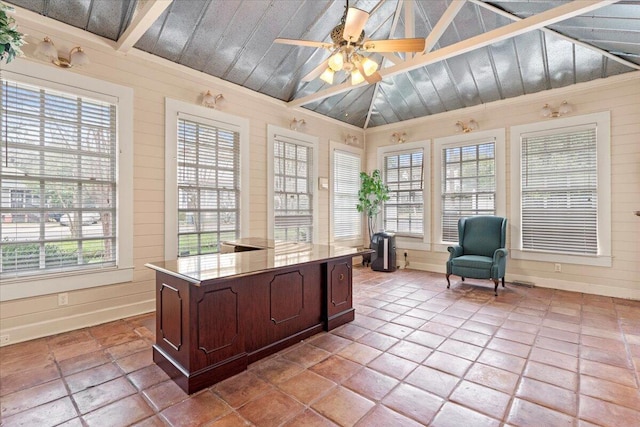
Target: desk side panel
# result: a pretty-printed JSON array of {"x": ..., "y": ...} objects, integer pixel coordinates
[{"x": 172, "y": 318}]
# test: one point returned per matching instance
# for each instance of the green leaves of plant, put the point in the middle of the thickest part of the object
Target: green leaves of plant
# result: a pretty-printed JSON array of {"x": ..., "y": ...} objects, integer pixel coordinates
[
  {"x": 10, "y": 38},
  {"x": 373, "y": 193}
]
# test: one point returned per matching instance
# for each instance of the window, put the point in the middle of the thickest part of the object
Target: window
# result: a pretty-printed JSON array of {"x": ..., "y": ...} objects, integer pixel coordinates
[
  {"x": 470, "y": 180},
  {"x": 347, "y": 221},
  {"x": 208, "y": 186},
  {"x": 404, "y": 170},
  {"x": 561, "y": 185},
  {"x": 292, "y": 176},
  {"x": 60, "y": 191},
  {"x": 205, "y": 184},
  {"x": 404, "y": 175}
]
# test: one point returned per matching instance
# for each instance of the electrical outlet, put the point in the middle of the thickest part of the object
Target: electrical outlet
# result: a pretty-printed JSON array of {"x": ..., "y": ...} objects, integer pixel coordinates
[
  {"x": 4, "y": 340},
  {"x": 558, "y": 268},
  {"x": 63, "y": 299}
]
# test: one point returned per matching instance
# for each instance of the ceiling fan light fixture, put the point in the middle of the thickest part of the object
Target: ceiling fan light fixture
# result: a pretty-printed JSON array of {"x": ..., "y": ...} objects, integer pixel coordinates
[
  {"x": 336, "y": 61},
  {"x": 327, "y": 75},
  {"x": 356, "y": 77},
  {"x": 369, "y": 66}
]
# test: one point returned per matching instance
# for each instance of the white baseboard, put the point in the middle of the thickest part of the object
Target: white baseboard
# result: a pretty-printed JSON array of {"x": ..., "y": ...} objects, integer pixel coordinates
[
  {"x": 69, "y": 323},
  {"x": 543, "y": 282},
  {"x": 587, "y": 288}
]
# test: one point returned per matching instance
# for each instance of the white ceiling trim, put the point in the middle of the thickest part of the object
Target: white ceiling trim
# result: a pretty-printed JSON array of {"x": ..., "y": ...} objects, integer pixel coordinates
[
  {"x": 146, "y": 14},
  {"x": 535, "y": 22},
  {"x": 442, "y": 24},
  {"x": 409, "y": 24}
]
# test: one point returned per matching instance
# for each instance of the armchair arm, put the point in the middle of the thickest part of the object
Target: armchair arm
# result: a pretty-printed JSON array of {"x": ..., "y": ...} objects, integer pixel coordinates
[
  {"x": 455, "y": 251},
  {"x": 500, "y": 253}
]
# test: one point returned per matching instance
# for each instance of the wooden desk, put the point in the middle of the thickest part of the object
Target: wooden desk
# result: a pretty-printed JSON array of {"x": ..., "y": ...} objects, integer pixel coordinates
[{"x": 216, "y": 314}]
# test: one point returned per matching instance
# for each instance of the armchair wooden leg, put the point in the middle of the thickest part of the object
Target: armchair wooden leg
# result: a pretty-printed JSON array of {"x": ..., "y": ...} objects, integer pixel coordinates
[
  {"x": 496, "y": 288},
  {"x": 448, "y": 282},
  {"x": 462, "y": 278},
  {"x": 503, "y": 281}
]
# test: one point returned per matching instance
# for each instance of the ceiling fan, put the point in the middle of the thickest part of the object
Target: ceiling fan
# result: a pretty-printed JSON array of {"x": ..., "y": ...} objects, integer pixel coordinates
[{"x": 348, "y": 49}]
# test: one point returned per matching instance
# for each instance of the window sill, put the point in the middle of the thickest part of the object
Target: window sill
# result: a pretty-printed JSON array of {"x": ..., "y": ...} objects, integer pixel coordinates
[
  {"x": 413, "y": 243},
  {"x": 595, "y": 261},
  {"x": 44, "y": 284}
]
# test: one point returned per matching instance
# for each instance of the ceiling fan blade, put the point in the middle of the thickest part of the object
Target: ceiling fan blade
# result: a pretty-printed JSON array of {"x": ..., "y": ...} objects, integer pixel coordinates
[
  {"x": 354, "y": 24},
  {"x": 394, "y": 45},
  {"x": 307, "y": 43},
  {"x": 315, "y": 73}
]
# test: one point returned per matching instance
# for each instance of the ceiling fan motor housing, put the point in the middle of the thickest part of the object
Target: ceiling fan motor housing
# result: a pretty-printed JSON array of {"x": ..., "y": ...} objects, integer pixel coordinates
[{"x": 338, "y": 39}]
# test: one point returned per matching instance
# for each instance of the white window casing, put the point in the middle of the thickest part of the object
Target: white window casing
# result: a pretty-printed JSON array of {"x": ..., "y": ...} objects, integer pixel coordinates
[
  {"x": 561, "y": 190},
  {"x": 86, "y": 128},
  {"x": 206, "y": 178}
]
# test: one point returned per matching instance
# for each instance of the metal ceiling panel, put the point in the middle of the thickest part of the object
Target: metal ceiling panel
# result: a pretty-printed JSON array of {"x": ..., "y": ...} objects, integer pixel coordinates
[
  {"x": 233, "y": 40},
  {"x": 107, "y": 19},
  {"x": 614, "y": 28}
]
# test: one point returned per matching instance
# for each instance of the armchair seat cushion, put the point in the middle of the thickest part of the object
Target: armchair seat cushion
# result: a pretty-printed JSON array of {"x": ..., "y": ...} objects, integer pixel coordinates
[{"x": 473, "y": 261}]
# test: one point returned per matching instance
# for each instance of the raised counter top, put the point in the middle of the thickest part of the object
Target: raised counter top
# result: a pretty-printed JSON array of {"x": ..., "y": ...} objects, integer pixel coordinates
[{"x": 202, "y": 268}]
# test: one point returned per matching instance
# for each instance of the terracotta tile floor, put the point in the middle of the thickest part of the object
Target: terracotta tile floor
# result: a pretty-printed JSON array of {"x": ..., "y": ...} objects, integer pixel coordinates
[{"x": 416, "y": 354}]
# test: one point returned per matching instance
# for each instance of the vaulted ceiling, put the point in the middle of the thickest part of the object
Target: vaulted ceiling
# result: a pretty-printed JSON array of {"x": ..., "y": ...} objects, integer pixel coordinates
[{"x": 477, "y": 51}]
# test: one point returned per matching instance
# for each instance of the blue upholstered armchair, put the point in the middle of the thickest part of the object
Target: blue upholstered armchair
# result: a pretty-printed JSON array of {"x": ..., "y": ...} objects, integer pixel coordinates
[{"x": 481, "y": 252}]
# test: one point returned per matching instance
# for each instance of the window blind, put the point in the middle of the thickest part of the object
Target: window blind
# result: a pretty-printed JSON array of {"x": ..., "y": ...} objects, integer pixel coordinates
[
  {"x": 57, "y": 181},
  {"x": 347, "y": 221},
  {"x": 208, "y": 186},
  {"x": 293, "y": 191},
  {"x": 559, "y": 192},
  {"x": 404, "y": 175},
  {"x": 468, "y": 185}
]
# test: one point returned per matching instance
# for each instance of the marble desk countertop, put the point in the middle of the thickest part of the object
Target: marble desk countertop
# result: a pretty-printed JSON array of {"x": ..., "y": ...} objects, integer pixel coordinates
[{"x": 201, "y": 268}]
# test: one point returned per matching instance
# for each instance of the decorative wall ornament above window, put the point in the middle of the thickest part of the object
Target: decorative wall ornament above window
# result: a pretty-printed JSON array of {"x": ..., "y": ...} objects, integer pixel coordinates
[
  {"x": 466, "y": 128},
  {"x": 76, "y": 57},
  {"x": 213, "y": 101},
  {"x": 398, "y": 137},
  {"x": 297, "y": 125},
  {"x": 351, "y": 139},
  {"x": 565, "y": 108}
]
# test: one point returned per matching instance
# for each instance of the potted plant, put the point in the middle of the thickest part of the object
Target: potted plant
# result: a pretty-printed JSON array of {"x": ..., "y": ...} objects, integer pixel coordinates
[
  {"x": 10, "y": 38},
  {"x": 373, "y": 193}
]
